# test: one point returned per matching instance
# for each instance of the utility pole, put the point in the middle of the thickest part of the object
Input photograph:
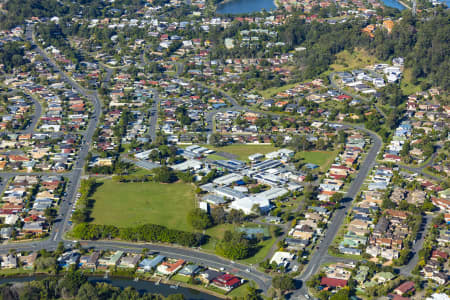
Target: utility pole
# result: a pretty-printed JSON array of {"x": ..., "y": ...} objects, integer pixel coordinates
[{"x": 414, "y": 8}]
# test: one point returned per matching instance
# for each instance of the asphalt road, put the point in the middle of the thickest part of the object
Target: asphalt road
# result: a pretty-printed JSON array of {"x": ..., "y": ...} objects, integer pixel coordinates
[
  {"x": 261, "y": 279},
  {"x": 406, "y": 270},
  {"x": 154, "y": 114},
  {"x": 419, "y": 170},
  {"x": 75, "y": 176},
  {"x": 35, "y": 118},
  {"x": 355, "y": 96},
  {"x": 320, "y": 255}
]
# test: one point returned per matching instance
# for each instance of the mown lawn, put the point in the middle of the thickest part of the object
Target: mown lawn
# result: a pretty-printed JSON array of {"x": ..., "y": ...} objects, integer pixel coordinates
[
  {"x": 131, "y": 204},
  {"x": 239, "y": 292},
  {"x": 321, "y": 158},
  {"x": 216, "y": 157},
  {"x": 242, "y": 151},
  {"x": 215, "y": 234}
]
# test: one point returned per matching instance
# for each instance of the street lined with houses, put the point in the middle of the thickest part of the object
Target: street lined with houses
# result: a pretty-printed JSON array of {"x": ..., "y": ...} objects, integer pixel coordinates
[{"x": 242, "y": 156}]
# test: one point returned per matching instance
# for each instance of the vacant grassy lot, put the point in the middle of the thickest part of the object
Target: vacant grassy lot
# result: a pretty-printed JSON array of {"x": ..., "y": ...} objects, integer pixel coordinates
[
  {"x": 321, "y": 158},
  {"x": 270, "y": 92},
  {"x": 216, "y": 233},
  {"x": 130, "y": 204},
  {"x": 349, "y": 61},
  {"x": 406, "y": 83},
  {"x": 242, "y": 151}
]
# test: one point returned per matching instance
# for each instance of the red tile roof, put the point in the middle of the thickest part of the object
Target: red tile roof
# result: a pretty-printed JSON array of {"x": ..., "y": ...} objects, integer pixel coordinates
[
  {"x": 333, "y": 282},
  {"x": 404, "y": 287},
  {"x": 227, "y": 280}
]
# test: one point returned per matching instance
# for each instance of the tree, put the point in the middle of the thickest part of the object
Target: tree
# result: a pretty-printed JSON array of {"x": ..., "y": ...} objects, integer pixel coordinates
[
  {"x": 252, "y": 292},
  {"x": 405, "y": 149},
  {"x": 234, "y": 246},
  {"x": 342, "y": 294},
  {"x": 45, "y": 263},
  {"x": 164, "y": 174},
  {"x": 218, "y": 215},
  {"x": 87, "y": 291},
  {"x": 50, "y": 214},
  {"x": 216, "y": 140},
  {"x": 199, "y": 219},
  {"x": 283, "y": 283},
  {"x": 60, "y": 249},
  {"x": 72, "y": 281},
  {"x": 309, "y": 177}
]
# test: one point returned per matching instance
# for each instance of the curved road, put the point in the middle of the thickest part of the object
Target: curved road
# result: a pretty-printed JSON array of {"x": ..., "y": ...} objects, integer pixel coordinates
[
  {"x": 355, "y": 96},
  {"x": 74, "y": 177},
  {"x": 263, "y": 280},
  {"x": 320, "y": 254}
]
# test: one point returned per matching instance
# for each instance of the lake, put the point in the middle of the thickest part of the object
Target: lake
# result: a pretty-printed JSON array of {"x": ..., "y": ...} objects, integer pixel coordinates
[
  {"x": 249, "y": 6},
  {"x": 141, "y": 286},
  {"x": 245, "y": 6},
  {"x": 394, "y": 4}
]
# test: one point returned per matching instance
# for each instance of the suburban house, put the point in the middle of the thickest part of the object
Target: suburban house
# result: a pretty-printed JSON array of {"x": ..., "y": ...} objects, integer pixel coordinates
[
  {"x": 110, "y": 261},
  {"x": 90, "y": 261},
  {"x": 227, "y": 282},
  {"x": 148, "y": 265},
  {"x": 169, "y": 268}
]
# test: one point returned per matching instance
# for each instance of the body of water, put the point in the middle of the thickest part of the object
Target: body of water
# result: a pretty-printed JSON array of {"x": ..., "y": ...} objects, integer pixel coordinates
[
  {"x": 236, "y": 7},
  {"x": 245, "y": 6},
  {"x": 141, "y": 286},
  {"x": 394, "y": 4}
]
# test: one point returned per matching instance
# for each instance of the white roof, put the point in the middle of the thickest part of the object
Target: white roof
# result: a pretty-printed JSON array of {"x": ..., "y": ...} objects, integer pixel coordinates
[
  {"x": 246, "y": 204},
  {"x": 255, "y": 156},
  {"x": 280, "y": 257},
  {"x": 228, "y": 179},
  {"x": 273, "y": 193},
  {"x": 438, "y": 297},
  {"x": 188, "y": 164}
]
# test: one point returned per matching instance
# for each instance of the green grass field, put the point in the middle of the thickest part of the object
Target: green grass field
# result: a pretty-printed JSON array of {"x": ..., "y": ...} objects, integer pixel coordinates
[
  {"x": 131, "y": 204},
  {"x": 321, "y": 158},
  {"x": 217, "y": 232},
  {"x": 270, "y": 92},
  {"x": 348, "y": 61},
  {"x": 216, "y": 157},
  {"x": 242, "y": 151},
  {"x": 406, "y": 84}
]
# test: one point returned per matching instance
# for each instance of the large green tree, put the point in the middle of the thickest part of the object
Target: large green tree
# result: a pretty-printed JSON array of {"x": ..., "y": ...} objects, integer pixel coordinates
[{"x": 199, "y": 219}]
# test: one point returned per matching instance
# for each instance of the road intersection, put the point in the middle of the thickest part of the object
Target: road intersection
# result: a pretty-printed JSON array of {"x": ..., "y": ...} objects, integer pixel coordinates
[{"x": 61, "y": 226}]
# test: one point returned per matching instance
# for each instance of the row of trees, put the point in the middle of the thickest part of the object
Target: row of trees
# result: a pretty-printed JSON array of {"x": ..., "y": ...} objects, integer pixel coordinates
[
  {"x": 74, "y": 285},
  {"x": 145, "y": 233},
  {"x": 85, "y": 204}
]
